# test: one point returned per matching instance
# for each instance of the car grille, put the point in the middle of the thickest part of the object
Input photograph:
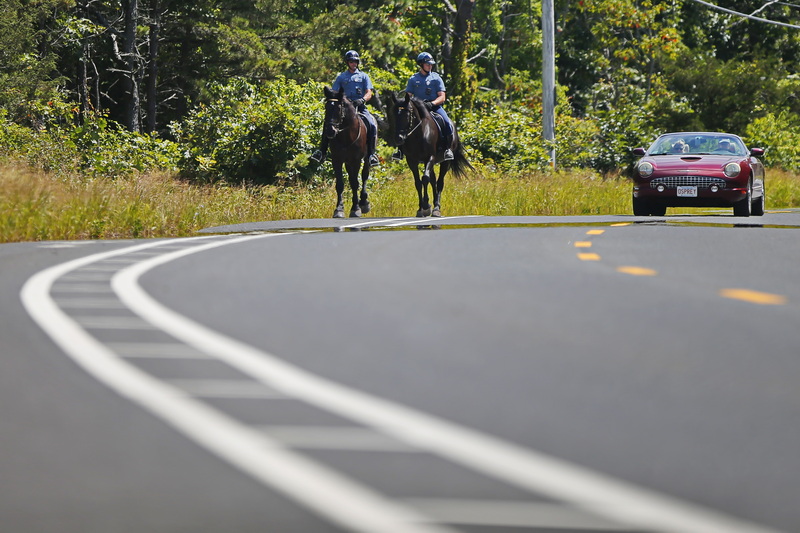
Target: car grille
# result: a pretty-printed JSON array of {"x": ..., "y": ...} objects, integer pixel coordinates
[{"x": 701, "y": 182}]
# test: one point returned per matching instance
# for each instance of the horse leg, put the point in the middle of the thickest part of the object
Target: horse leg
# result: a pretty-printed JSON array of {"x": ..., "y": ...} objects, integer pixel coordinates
[
  {"x": 418, "y": 184},
  {"x": 428, "y": 178},
  {"x": 352, "y": 174},
  {"x": 337, "y": 171},
  {"x": 363, "y": 203},
  {"x": 437, "y": 190}
]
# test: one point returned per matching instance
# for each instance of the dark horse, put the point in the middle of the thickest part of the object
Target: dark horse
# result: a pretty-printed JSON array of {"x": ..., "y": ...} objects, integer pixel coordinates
[
  {"x": 415, "y": 130},
  {"x": 347, "y": 134}
]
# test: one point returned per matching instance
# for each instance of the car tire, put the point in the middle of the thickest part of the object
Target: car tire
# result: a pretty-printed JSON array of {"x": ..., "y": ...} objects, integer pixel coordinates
[
  {"x": 641, "y": 207},
  {"x": 757, "y": 207},
  {"x": 743, "y": 208}
]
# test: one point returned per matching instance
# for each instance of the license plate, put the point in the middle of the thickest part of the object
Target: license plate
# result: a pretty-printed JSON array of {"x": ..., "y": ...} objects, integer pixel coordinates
[{"x": 687, "y": 191}]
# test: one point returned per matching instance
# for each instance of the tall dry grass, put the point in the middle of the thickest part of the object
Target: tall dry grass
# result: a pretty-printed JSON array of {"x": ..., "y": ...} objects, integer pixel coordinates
[{"x": 39, "y": 206}]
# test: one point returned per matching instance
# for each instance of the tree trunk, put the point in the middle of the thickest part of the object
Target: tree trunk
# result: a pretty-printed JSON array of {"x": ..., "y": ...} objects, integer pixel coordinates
[
  {"x": 131, "y": 58},
  {"x": 462, "y": 81},
  {"x": 152, "y": 66}
]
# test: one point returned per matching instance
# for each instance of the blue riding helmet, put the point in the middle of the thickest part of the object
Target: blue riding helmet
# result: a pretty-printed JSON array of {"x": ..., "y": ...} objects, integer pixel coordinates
[
  {"x": 425, "y": 57},
  {"x": 351, "y": 55}
]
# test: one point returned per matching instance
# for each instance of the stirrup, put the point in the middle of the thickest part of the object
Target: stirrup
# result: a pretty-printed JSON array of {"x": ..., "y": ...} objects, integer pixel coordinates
[
  {"x": 374, "y": 161},
  {"x": 448, "y": 155},
  {"x": 318, "y": 156},
  {"x": 397, "y": 156}
]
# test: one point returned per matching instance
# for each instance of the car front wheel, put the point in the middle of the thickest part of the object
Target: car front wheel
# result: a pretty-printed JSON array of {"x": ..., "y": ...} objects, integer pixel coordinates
[
  {"x": 641, "y": 207},
  {"x": 757, "y": 207},
  {"x": 644, "y": 208},
  {"x": 743, "y": 208}
]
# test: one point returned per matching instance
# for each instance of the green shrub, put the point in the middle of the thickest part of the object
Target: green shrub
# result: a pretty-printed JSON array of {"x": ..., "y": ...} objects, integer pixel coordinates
[
  {"x": 252, "y": 134},
  {"x": 107, "y": 149},
  {"x": 779, "y": 135},
  {"x": 98, "y": 148},
  {"x": 504, "y": 138}
]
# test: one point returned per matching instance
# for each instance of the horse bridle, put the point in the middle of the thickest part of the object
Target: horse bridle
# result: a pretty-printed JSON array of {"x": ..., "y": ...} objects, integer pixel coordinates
[
  {"x": 407, "y": 108},
  {"x": 338, "y": 126}
]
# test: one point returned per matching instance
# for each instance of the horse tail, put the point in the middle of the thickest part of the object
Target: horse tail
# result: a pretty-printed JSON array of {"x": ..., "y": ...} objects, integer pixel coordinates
[{"x": 459, "y": 165}]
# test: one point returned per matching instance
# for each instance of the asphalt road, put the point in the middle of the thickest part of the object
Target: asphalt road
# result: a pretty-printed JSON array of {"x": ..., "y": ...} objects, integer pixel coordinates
[{"x": 471, "y": 374}]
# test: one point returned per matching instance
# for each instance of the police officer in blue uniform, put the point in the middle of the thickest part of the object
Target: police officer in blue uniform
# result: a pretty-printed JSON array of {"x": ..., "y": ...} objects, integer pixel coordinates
[
  {"x": 358, "y": 89},
  {"x": 428, "y": 86}
]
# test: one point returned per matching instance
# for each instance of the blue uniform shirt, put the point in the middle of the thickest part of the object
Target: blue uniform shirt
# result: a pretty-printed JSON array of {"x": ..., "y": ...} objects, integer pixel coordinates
[
  {"x": 425, "y": 87},
  {"x": 356, "y": 84}
]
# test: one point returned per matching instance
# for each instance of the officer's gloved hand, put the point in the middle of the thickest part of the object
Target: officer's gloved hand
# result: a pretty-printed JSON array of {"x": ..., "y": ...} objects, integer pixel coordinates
[
  {"x": 429, "y": 105},
  {"x": 358, "y": 102}
]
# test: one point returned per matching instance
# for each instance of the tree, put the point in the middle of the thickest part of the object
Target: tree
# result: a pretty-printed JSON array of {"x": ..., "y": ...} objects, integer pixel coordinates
[{"x": 27, "y": 58}]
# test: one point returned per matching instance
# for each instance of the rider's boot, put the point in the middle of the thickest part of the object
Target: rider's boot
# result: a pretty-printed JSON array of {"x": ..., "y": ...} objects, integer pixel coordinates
[
  {"x": 398, "y": 155},
  {"x": 448, "y": 153},
  {"x": 373, "y": 157}
]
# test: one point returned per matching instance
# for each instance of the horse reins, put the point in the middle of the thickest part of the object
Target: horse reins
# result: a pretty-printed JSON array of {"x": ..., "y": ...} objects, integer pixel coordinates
[
  {"x": 341, "y": 119},
  {"x": 417, "y": 125}
]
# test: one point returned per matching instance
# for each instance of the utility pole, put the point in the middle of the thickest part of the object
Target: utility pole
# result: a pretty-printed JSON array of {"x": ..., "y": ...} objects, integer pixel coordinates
[{"x": 549, "y": 78}]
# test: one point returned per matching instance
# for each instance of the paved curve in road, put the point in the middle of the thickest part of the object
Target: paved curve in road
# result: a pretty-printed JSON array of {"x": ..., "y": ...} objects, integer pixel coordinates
[{"x": 532, "y": 374}]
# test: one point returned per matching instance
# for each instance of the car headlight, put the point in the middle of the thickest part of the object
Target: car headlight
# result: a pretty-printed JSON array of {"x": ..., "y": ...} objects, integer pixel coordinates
[
  {"x": 645, "y": 169},
  {"x": 732, "y": 170}
]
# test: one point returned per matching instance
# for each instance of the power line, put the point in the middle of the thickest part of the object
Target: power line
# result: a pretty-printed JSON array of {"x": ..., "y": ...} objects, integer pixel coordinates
[{"x": 745, "y": 15}]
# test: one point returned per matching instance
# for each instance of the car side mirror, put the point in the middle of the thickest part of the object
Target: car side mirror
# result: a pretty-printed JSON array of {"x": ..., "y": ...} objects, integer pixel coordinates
[
  {"x": 756, "y": 152},
  {"x": 638, "y": 152}
]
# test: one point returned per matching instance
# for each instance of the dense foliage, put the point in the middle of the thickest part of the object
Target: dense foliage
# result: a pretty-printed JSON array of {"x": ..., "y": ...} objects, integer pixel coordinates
[{"x": 231, "y": 89}]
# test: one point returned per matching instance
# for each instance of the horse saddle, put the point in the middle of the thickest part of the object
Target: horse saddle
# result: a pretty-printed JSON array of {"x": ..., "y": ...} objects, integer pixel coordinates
[
  {"x": 365, "y": 120},
  {"x": 439, "y": 122}
]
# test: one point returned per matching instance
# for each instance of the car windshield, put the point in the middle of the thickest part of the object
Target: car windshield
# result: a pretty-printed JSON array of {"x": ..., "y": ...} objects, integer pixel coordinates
[{"x": 698, "y": 144}]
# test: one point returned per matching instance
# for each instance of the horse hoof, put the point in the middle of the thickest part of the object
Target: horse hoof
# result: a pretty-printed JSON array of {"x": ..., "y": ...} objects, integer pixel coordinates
[
  {"x": 339, "y": 213},
  {"x": 355, "y": 213},
  {"x": 420, "y": 213},
  {"x": 436, "y": 213},
  {"x": 365, "y": 206}
]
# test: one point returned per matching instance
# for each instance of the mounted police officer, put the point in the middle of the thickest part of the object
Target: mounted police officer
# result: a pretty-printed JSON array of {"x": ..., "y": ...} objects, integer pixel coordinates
[
  {"x": 428, "y": 86},
  {"x": 358, "y": 89}
]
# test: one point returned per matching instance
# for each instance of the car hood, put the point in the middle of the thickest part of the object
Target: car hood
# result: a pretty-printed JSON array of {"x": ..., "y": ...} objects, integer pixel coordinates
[{"x": 691, "y": 161}]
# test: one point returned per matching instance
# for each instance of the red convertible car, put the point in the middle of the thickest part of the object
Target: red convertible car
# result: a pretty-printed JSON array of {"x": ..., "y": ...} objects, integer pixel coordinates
[{"x": 698, "y": 169}]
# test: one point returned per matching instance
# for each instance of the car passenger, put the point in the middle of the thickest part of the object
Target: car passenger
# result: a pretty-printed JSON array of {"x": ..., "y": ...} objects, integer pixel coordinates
[
  {"x": 725, "y": 146},
  {"x": 680, "y": 147}
]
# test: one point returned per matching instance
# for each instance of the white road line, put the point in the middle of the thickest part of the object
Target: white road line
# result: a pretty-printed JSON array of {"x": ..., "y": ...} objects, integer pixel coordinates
[
  {"x": 342, "y": 501},
  {"x": 90, "y": 303},
  {"x": 86, "y": 276},
  {"x": 427, "y": 221},
  {"x": 369, "y": 223},
  {"x": 510, "y": 514},
  {"x": 336, "y": 438},
  {"x": 590, "y": 491},
  {"x": 226, "y": 388},
  {"x": 82, "y": 287},
  {"x": 114, "y": 322},
  {"x": 155, "y": 350}
]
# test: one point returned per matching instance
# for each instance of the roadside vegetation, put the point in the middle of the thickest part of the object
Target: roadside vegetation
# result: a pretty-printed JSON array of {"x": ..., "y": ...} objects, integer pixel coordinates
[{"x": 37, "y": 205}]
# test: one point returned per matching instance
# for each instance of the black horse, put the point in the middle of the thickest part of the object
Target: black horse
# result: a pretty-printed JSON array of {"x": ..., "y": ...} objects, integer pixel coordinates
[
  {"x": 347, "y": 136},
  {"x": 414, "y": 129}
]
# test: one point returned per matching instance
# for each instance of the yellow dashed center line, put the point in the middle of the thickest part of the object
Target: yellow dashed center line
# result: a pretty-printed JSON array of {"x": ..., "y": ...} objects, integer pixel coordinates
[
  {"x": 756, "y": 297},
  {"x": 588, "y": 257},
  {"x": 595, "y": 232},
  {"x": 583, "y": 244},
  {"x": 637, "y": 271}
]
